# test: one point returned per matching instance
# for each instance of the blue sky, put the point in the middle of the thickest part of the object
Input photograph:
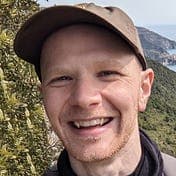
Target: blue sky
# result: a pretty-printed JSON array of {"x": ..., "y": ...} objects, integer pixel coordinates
[{"x": 143, "y": 12}]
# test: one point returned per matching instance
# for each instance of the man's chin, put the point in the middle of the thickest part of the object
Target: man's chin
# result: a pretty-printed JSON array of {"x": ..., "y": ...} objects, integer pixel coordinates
[
  {"x": 93, "y": 155},
  {"x": 94, "y": 149}
]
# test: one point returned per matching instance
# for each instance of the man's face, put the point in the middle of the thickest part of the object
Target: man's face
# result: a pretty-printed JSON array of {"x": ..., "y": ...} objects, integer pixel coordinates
[{"x": 91, "y": 86}]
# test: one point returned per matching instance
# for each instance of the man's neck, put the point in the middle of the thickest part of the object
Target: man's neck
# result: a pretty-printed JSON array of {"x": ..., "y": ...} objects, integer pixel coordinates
[{"x": 121, "y": 164}]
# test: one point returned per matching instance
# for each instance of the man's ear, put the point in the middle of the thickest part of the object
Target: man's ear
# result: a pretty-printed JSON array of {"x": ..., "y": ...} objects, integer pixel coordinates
[{"x": 147, "y": 78}]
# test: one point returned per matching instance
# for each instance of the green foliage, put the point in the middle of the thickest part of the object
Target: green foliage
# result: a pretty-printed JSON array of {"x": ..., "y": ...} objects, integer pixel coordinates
[
  {"x": 23, "y": 143},
  {"x": 159, "y": 121}
]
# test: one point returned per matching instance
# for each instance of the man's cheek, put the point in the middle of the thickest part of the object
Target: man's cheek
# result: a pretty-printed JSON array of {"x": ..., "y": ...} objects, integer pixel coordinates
[
  {"x": 118, "y": 95},
  {"x": 51, "y": 105}
]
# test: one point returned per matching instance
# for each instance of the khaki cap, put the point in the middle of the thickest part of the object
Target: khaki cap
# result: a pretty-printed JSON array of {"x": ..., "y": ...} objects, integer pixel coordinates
[{"x": 35, "y": 30}]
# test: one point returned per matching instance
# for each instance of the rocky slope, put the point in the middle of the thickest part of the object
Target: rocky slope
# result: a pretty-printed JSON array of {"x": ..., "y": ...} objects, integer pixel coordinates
[{"x": 155, "y": 46}]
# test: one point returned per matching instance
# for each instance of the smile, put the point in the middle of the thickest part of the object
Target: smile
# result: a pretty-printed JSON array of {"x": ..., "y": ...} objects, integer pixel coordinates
[{"x": 91, "y": 123}]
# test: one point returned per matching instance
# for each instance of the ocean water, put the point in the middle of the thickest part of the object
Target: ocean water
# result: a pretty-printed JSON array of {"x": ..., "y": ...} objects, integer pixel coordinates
[
  {"x": 171, "y": 51},
  {"x": 172, "y": 67}
]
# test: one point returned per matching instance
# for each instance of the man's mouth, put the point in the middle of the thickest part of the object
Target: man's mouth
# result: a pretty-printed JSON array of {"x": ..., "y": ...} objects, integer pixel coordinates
[{"x": 91, "y": 123}]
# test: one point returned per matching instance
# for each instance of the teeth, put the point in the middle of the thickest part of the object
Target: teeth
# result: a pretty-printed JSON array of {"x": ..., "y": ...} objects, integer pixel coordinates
[
  {"x": 101, "y": 122},
  {"x": 91, "y": 123},
  {"x": 77, "y": 124}
]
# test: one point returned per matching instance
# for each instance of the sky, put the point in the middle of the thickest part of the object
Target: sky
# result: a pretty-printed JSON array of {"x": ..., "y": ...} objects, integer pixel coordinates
[{"x": 143, "y": 12}]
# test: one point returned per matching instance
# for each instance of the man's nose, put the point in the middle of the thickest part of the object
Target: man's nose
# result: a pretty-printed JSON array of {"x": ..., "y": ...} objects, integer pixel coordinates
[{"x": 85, "y": 94}]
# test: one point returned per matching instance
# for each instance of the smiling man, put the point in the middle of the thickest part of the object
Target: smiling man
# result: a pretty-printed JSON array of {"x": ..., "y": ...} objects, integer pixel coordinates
[
  {"x": 94, "y": 81},
  {"x": 91, "y": 91}
]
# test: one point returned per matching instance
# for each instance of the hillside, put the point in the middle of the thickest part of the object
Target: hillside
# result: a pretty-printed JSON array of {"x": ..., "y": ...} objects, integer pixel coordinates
[
  {"x": 160, "y": 118},
  {"x": 155, "y": 46},
  {"x": 153, "y": 40}
]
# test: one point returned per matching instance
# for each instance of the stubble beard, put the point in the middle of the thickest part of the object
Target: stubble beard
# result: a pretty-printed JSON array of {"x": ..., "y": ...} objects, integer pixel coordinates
[
  {"x": 78, "y": 149},
  {"x": 82, "y": 154}
]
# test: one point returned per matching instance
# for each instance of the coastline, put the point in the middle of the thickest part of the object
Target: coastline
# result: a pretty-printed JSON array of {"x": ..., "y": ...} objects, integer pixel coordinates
[{"x": 171, "y": 67}]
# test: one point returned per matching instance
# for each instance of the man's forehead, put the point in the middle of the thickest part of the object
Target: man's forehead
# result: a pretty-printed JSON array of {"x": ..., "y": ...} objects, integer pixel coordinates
[{"x": 82, "y": 31}]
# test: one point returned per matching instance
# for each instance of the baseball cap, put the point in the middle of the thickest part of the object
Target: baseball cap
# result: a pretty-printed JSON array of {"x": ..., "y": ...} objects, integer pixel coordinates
[{"x": 31, "y": 36}]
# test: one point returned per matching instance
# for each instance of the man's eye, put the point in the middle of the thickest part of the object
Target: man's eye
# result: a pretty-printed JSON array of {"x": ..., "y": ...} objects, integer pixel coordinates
[
  {"x": 107, "y": 73},
  {"x": 63, "y": 78},
  {"x": 61, "y": 81}
]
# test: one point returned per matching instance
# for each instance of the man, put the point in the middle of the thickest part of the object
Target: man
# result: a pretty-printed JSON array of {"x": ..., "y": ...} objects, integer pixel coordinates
[{"x": 94, "y": 81}]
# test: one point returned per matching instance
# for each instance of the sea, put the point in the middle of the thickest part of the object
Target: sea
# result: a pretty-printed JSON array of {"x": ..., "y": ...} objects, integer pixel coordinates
[{"x": 168, "y": 31}]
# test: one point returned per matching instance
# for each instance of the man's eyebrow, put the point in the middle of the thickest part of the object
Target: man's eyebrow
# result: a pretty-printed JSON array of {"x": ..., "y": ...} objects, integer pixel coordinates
[
  {"x": 110, "y": 62},
  {"x": 57, "y": 70}
]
